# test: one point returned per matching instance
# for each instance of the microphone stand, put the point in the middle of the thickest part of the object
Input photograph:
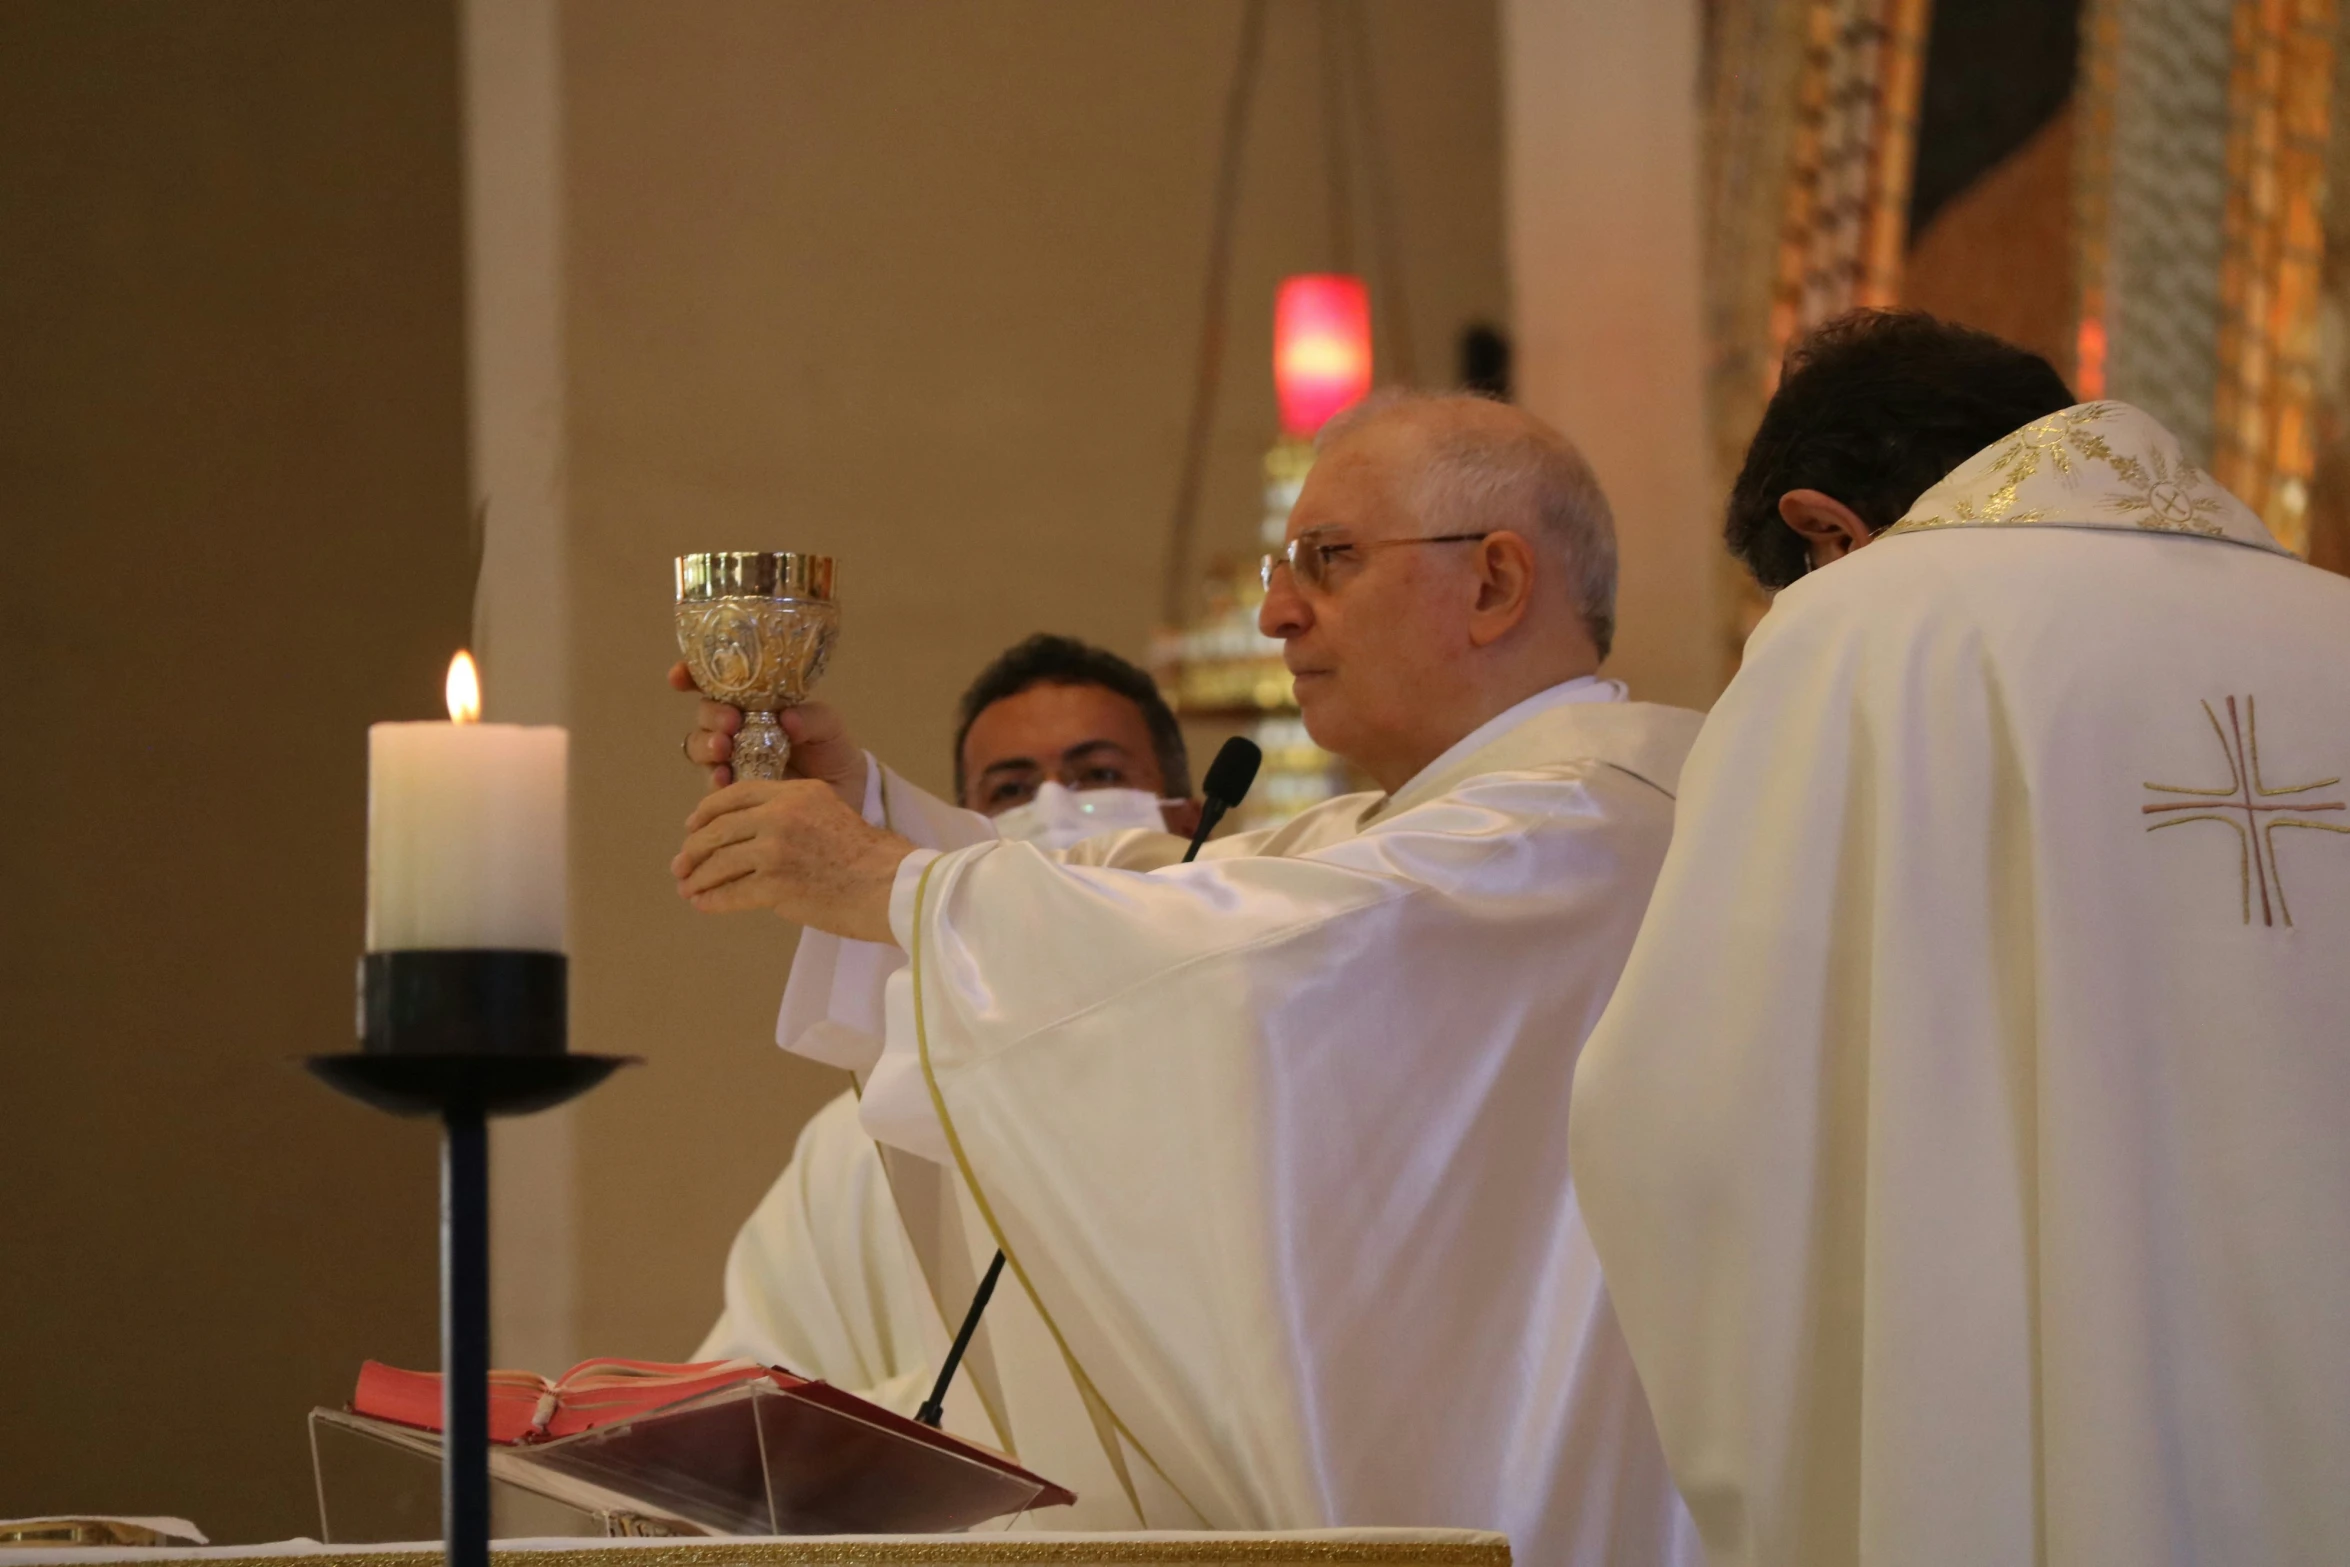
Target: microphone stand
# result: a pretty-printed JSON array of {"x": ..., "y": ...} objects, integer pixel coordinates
[{"x": 1226, "y": 785}]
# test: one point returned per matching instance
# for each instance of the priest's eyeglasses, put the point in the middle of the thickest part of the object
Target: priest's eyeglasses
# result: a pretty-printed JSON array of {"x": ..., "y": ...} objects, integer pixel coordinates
[{"x": 1309, "y": 559}]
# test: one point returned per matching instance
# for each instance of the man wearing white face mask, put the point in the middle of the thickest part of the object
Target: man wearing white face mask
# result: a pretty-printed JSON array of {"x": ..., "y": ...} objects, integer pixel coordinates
[
  {"x": 1060, "y": 742},
  {"x": 853, "y": 1268},
  {"x": 1061, "y": 817}
]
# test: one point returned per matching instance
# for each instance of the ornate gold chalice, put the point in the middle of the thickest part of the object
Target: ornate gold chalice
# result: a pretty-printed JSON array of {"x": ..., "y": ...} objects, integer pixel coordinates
[{"x": 756, "y": 629}]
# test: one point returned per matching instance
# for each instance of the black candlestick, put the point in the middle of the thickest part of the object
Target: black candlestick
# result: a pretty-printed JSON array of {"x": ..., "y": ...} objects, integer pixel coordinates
[
  {"x": 465, "y": 1336},
  {"x": 464, "y": 1035}
]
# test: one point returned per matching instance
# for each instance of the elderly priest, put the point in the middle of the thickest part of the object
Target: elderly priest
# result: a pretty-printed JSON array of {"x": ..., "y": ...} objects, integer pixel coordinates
[
  {"x": 1273, "y": 1140},
  {"x": 1969, "y": 1142}
]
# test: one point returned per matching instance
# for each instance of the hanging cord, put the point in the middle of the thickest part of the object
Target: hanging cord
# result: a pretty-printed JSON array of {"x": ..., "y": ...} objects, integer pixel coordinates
[
  {"x": 1386, "y": 241},
  {"x": 1339, "y": 202},
  {"x": 1237, "y": 101}
]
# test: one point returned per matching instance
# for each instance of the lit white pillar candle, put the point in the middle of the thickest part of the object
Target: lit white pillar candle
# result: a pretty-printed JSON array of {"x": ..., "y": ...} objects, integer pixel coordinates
[{"x": 465, "y": 829}]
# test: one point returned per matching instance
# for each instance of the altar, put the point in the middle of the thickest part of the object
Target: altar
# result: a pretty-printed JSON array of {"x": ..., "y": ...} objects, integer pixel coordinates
[{"x": 1295, "y": 1548}]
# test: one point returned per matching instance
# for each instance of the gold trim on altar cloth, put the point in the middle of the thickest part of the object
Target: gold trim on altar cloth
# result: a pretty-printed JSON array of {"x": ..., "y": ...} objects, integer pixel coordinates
[
  {"x": 1026, "y": 1550},
  {"x": 2093, "y": 465}
]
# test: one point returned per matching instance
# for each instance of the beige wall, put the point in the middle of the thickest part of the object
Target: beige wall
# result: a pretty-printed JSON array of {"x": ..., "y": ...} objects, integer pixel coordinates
[
  {"x": 232, "y": 489},
  {"x": 513, "y": 115},
  {"x": 915, "y": 284},
  {"x": 1603, "y": 249}
]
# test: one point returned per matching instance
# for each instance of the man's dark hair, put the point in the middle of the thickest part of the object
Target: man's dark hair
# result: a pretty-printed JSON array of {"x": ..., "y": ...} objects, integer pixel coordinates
[
  {"x": 1047, "y": 660},
  {"x": 1874, "y": 408}
]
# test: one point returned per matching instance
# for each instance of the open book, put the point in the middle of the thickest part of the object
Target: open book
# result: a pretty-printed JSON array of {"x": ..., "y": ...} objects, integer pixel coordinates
[
  {"x": 526, "y": 1407},
  {"x": 731, "y": 1445}
]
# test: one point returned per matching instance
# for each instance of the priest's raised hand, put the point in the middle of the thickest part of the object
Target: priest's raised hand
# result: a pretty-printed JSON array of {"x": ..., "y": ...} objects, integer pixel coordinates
[
  {"x": 795, "y": 848},
  {"x": 820, "y": 743}
]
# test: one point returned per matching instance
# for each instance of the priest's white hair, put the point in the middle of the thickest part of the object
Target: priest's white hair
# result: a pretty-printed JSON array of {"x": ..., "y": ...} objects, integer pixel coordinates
[{"x": 1484, "y": 472}]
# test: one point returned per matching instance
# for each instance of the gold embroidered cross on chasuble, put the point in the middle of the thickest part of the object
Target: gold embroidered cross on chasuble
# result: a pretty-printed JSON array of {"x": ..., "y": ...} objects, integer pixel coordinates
[
  {"x": 2108, "y": 465},
  {"x": 2249, "y": 796}
]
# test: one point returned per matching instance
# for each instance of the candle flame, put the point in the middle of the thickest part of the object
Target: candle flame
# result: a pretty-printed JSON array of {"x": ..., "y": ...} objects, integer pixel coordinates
[{"x": 464, "y": 690}]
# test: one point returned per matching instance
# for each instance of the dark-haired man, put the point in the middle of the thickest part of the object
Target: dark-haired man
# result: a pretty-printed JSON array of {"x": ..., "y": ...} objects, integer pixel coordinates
[
  {"x": 1055, "y": 739},
  {"x": 856, "y": 1266},
  {"x": 1968, "y": 1142}
]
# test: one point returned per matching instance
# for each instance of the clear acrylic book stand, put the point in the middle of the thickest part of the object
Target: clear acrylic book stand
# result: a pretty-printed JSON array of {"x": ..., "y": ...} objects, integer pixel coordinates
[{"x": 748, "y": 1460}]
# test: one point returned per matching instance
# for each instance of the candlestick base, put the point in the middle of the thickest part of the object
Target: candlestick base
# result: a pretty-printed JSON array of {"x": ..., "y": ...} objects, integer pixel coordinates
[
  {"x": 464, "y": 1090},
  {"x": 486, "y": 1084}
]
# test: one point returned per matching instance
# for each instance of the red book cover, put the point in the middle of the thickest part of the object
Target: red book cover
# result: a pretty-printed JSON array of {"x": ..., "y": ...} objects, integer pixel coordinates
[{"x": 526, "y": 1408}]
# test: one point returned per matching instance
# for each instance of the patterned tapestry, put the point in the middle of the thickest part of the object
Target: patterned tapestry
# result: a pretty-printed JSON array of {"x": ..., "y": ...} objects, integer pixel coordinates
[
  {"x": 2201, "y": 255},
  {"x": 2135, "y": 188},
  {"x": 2280, "y": 124},
  {"x": 2154, "y": 261},
  {"x": 1807, "y": 178},
  {"x": 2329, "y": 485}
]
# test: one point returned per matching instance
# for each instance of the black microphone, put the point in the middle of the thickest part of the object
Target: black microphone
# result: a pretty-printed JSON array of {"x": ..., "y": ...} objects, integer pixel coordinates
[
  {"x": 1225, "y": 786},
  {"x": 934, "y": 1409}
]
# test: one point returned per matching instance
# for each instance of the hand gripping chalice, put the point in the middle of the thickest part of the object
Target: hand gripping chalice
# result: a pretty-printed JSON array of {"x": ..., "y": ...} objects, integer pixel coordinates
[{"x": 756, "y": 629}]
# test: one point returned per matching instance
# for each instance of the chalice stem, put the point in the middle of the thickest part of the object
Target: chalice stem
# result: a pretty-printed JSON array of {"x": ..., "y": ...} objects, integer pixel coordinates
[{"x": 761, "y": 749}]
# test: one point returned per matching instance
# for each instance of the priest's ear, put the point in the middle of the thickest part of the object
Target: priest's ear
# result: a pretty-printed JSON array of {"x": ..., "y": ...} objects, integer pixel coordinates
[
  {"x": 1830, "y": 530},
  {"x": 1505, "y": 585}
]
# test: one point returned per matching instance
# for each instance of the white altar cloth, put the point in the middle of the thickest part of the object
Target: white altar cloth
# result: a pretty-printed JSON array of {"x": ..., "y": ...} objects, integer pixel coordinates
[{"x": 1157, "y": 1548}]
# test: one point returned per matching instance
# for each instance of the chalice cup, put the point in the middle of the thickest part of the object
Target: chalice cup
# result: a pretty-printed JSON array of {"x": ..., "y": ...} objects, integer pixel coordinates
[{"x": 756, "y": 629}]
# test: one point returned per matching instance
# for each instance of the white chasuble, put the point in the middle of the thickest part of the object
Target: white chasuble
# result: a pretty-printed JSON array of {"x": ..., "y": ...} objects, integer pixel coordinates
[
  {"x": 1968, "y": 1143},
  {"x": 824, "y": 1279},
  {"x": 861, "y": 1260},
  {"x": 1275, "y": 1141},
  {"x": 821, "y": 1279}
]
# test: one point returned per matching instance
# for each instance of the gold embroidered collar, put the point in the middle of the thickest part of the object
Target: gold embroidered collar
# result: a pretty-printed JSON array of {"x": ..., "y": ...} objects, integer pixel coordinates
[{"x": 2093, "y": 465}]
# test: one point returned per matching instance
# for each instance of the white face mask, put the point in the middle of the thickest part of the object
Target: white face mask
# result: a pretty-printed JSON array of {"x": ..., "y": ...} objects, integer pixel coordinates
[{"x": 1059, "y": 816}]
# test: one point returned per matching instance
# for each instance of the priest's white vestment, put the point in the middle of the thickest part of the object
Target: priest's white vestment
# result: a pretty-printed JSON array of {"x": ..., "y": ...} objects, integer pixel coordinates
[
  {"x": 822, "y": 1279},
  {"x": 861, "y": 1260},
  {"x": 1968, "y": 1143},
  {"x": 826, "y": 1278},
  {"x": 1275, "y": 1141}
]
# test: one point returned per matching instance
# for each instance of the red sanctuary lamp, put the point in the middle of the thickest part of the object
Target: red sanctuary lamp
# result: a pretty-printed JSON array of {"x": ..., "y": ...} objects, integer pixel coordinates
[
  {"x": 1321, "y": 349},
  {"x": 1223, "y": 675}
]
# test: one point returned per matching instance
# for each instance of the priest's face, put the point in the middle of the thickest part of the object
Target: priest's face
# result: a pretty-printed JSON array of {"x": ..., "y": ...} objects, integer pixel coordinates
[{"x": 1376, "y": 636}]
